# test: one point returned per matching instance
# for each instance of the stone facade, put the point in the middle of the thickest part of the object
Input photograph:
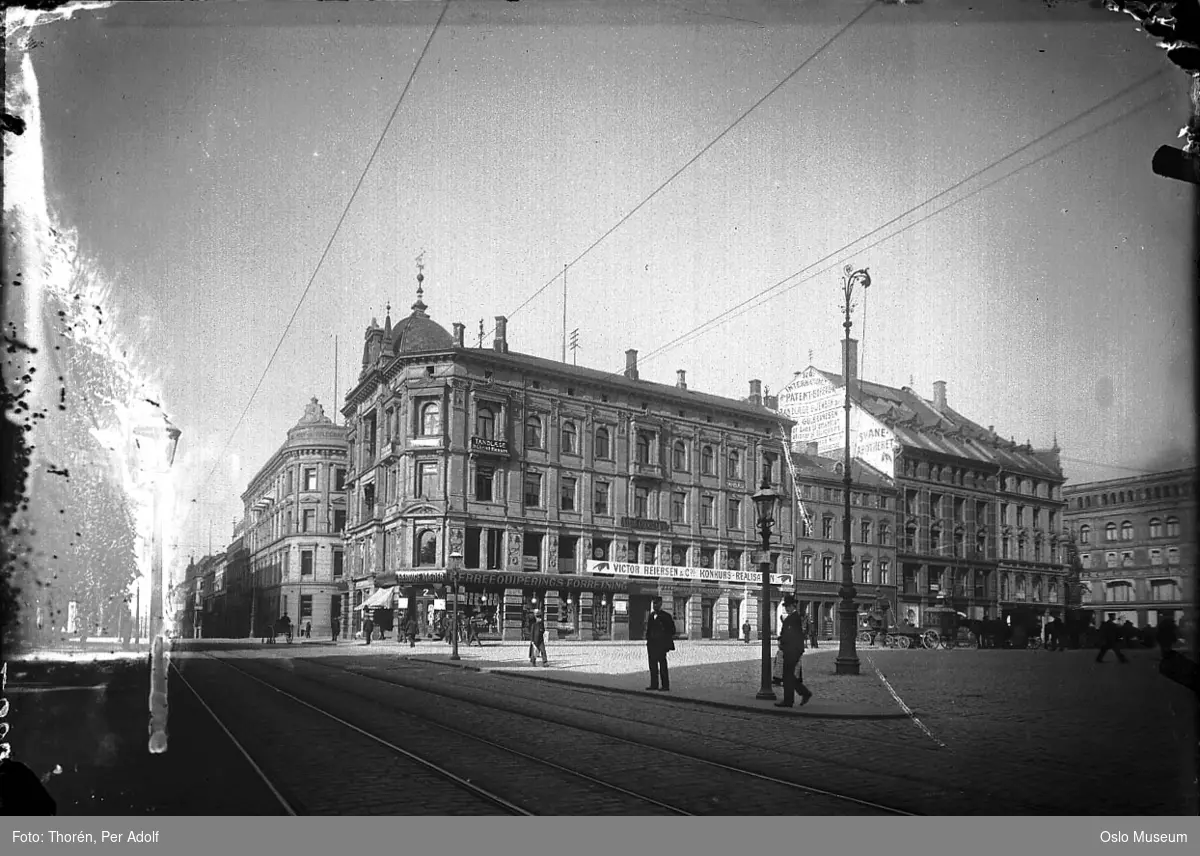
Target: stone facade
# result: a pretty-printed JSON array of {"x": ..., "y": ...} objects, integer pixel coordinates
[
  {"x": 533, "y": 468},
  {"x": 295, "y": 509},
  {"x": 1136, "y": 541}
]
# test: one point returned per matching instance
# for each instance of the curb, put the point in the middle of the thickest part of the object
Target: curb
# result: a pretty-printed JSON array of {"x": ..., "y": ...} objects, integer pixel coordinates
[{"x": 794, "y": 712}]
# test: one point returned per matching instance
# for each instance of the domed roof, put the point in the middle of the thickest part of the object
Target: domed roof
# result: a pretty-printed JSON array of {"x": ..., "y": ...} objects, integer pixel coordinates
[{"x": 419, "y": 332}]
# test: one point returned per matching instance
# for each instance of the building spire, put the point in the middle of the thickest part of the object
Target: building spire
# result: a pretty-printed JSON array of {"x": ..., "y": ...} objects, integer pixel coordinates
[{"x": 419, "y": 307}]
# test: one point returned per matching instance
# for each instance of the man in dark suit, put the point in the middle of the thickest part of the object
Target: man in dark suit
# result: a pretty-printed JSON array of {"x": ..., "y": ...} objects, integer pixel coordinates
[
  {"x": 660, "y": 638},
  {"x": 791, "y": 642},
  {"x": 537, "y": 640},
  {"x": 1110, "y": 639}
]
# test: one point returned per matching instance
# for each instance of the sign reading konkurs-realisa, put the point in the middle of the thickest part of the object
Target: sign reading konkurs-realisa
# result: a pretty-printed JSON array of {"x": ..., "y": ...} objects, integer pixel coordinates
[{"x": 683, "y": 572}]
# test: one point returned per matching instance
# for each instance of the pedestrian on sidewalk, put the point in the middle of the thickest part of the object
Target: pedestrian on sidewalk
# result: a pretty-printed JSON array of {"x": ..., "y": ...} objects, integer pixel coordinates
[
  {"x": 308, "y": 630},
  {"x": 660, "y": 638},
  {"x": 335, "y": 626},
  {"x": 746, "y": 630},
  {"x": 791, "y": 642},
  {"x": 410, "y": 630},
  {"x": 1110, "y": 638},
  {"x": 812, "y": 632},
  {"x": 368, "y": 628},
  {"x": 537, "y": 640}
]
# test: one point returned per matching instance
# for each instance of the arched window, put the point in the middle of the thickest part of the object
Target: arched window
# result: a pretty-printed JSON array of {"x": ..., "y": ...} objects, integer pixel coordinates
[
  {"x": 1126, "y": 531},
  {"x": 485, "y": 423},
  {"x": 707, "y": 461},
  {"x": 679, "y": 456},
  {"x": 735, "y": 464},
  {"x": 570, "y": 445},
  {"x": 533, "y": 433},
  {"x": 1172, "y": 527},
  {"x": 602, "y": 450},
  {"x": 1155, "y": 527},
  {"x": 643, "y": 448},
  {"x": 1110, "y": 532},
  {"x": 431, "y": 419},
  {"x": 426, "y": 549},
  {"x": 1085, "y": 534}
]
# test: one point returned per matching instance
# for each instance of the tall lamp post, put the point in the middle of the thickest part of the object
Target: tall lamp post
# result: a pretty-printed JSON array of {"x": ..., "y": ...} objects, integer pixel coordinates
[
  {"x": 455, "y": 565},
  {"x": 847, "y": 658},
  {"x": 766, "y": 502}
]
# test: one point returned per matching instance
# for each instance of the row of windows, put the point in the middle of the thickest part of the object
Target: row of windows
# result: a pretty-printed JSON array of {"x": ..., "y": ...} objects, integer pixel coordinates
[
  {"x": 1126, "y": 558},
  {"x": 1126, "y": 532},
  {"x": 828, "y": 574},
  {"x": 978, "y": 480},
  {"x": 308, "y": 479},
  {"x": 1124, "y": 591},
  {"x": 1135, "y": 495}
]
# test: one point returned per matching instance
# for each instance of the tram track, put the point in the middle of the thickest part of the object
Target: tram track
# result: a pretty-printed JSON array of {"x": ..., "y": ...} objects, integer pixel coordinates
[
  {"x": 609, "y": 782},
  {"x": 915, "y": 780}
]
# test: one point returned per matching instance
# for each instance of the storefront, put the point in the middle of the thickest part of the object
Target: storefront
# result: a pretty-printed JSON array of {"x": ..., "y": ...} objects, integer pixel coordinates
[{"x": 574, "y": 606}]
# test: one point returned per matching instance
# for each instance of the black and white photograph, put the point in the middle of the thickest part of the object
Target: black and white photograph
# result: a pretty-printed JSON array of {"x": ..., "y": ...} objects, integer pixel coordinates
[{"x": 759, "y": 408}]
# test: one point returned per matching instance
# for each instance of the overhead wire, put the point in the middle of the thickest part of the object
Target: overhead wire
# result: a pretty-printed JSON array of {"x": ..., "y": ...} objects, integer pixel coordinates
[
  {"x": 749, "y": 303},
  {"x": 695, "y": 157},
  {"x": 324, "y": 253}
]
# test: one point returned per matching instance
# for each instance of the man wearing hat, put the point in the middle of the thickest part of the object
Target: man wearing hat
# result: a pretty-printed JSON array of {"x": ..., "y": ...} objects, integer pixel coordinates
[{"x": 791, "y": 642}]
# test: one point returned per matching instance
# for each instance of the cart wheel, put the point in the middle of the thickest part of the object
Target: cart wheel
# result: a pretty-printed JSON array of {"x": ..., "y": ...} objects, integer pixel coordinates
[
  {"x": 1035, "y": 642},
  {"x": 930, "y": 639},
  {"x": 864, "y": 638},
  {"x": 903, "y": 642}
]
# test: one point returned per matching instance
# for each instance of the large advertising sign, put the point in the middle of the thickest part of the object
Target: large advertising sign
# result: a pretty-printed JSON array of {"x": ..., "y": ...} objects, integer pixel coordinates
[
  {"x": 819, "y": 410},
  {"x": 724, "y": 575}
]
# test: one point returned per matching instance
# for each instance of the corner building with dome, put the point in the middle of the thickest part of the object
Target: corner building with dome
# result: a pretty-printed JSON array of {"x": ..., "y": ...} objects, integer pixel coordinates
[{"x": 579, "y": 492}]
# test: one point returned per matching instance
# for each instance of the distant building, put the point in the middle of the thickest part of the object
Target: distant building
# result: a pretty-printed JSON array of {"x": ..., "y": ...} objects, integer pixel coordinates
[
  {"x": 581, "y": 492},
  {"x": 1136, "y": 540},
  {"x": 238, "y": 586},
  {"x": 979, "y": 518},
  {"x": 295, "y": 513}
]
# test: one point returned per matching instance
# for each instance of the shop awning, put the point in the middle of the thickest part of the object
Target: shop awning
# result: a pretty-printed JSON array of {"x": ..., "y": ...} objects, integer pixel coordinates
[{"x": 379, "y": 598}]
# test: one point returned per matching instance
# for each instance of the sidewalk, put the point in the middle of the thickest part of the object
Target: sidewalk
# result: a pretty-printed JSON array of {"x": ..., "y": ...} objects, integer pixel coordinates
[{"x": 716, "y": 674}]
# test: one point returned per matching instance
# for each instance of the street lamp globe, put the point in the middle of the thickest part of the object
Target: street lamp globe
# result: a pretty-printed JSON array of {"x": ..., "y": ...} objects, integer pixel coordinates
[{"x": 766, "y": 503}]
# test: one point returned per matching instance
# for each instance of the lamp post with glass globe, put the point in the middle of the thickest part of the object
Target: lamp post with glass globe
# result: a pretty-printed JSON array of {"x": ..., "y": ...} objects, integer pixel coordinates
[
  {"x": 847, "y": 658},
  {"x": 766, "y": 503}
]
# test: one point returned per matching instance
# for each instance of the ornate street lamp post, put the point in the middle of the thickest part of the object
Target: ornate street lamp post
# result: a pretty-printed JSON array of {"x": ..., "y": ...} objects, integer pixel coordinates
[
  {"x": 766, "y": 502},
  {"x": 455, "y": 564},
  {"x": 847, "y": 658}
]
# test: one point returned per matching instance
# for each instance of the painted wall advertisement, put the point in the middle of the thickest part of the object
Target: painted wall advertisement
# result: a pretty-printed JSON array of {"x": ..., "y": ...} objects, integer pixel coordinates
[{"x": 818, "y": 406}]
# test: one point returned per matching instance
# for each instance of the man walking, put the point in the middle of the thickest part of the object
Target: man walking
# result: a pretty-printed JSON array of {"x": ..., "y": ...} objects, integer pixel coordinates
[
  {"x": 660, "y": 638},
  {"x": 1110, "y": 638},
  {"x": 1166, "y": 635},
  {"x": 335, "y": 626},
  {"x": 368, "y": 627},
  {"x": 410, "y": 630},
  {"x": 791, "y": 642},
  {"x": 537, "y": 640}
]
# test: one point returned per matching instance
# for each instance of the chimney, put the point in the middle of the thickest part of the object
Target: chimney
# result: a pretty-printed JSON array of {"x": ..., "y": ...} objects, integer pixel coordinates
[
  {"x": 500, "y": 342},
  {"x": 811, "y": 449},
  {"x": 756, "y": 392},
  {"x": 939, "y": 395},
  {"x": 631, "y": 364},
  {"x": 681, "y": 379},
  {"x": 459, "y": 329},
  {"x": 850, "y": 359},
  {"x": 771, "y": 401}
]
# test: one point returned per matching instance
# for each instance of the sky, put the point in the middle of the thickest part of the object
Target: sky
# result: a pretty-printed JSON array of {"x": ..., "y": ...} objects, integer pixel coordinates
[{"x": 205, "y": 154}]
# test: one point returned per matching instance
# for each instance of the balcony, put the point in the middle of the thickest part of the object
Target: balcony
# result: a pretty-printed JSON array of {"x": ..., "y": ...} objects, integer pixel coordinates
[
  {"x": 391, "y": 450},
  {"x": 492, "y": 448},
  {"x": 644, "y": 470}
]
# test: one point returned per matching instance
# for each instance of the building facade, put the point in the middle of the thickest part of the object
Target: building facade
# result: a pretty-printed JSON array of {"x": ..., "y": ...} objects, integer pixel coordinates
[
  {"x": 238, "y": 586},
  {"x": 1136, "y": 543},
  {"x": 577, "y": 492},
  {"x": 979, "y": 519},
  {"x": 295, "y": 514},
  {"x": 820, "y": 540}
]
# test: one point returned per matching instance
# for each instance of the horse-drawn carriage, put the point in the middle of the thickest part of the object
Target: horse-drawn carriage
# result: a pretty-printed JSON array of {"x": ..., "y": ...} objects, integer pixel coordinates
[
  {"x": 282, "y": 626},
  {"x": 872, "y": 629},
  {"x": 946, "y": 627}
]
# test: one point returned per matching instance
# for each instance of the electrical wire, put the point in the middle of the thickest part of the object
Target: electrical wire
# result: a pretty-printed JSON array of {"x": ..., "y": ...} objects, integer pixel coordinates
[
  {"x": 329, "y": 245},
  {"x": 695, "y": 157},
  {"x": 749, "y": 303}
]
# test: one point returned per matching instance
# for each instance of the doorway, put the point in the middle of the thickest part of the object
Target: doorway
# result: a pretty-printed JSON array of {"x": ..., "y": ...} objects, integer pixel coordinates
[
  {"x": 735, "y": 618},
  {"x": 706, "y": 618}
]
